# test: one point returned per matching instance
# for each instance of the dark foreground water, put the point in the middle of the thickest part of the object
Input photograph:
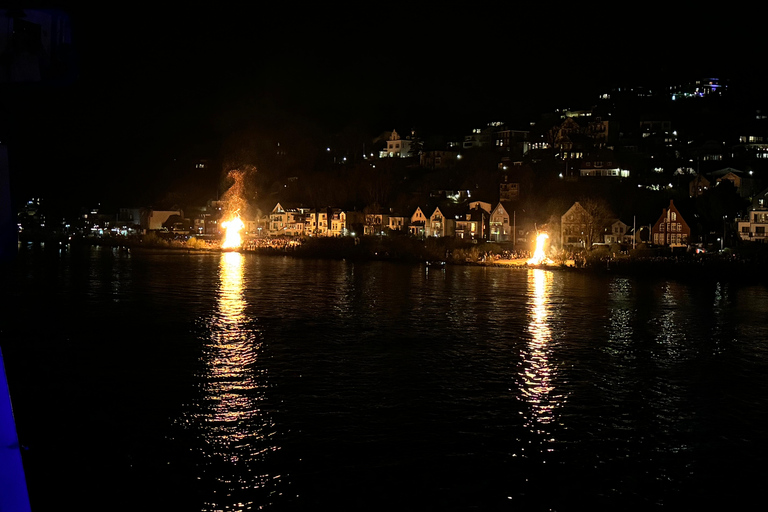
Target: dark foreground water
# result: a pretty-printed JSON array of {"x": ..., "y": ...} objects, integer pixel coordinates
[{"x": 146, "y": 381}]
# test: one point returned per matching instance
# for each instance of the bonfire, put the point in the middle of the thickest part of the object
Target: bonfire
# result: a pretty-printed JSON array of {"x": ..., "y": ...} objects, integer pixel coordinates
[
  {"x": 539, "y": 256},
  {"x": 232, "y": 238}
]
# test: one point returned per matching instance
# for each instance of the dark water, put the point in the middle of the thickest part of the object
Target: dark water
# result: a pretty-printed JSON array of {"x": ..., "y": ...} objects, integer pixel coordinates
[{"x": 239, "y": 382}]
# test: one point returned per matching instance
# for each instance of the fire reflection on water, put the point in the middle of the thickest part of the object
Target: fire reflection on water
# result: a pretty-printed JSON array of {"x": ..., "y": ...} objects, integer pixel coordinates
[
  {"x": 235, "y": 430},
  {"x": 537, "y": 372}
]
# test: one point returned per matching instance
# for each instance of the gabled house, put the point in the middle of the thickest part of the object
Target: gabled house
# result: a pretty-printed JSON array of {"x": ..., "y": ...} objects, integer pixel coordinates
[
  {"x": 729, "y": 174},
  {"x": 501, "y": 227},
  {"x": 278, "y": 220},
  {"x": 337, "y": 222},
  {"x": 671, "y": 229},
  {"x": 618, "y": 233},
  {"x": 398, "y": 147},
  {"x": 742, "y": 182},
  {"x": 573, "y": 226},
  {"x": 418, "y": 222},
  {"x": 585, "y": 224},
  {"x": 289, "y": 221},
  {"x": 481, "y": 204},
  {"x": 439, "y": 225},
  {"x": 698, "y": 186}
]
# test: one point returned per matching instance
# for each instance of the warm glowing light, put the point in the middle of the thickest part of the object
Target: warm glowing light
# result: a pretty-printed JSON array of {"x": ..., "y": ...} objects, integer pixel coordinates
[
  {"x": 539, "y": 256},
  {"x": 232, "y": 238},
  {"x": 538, "y": 373},
  {"x": 228, "y": 416}
]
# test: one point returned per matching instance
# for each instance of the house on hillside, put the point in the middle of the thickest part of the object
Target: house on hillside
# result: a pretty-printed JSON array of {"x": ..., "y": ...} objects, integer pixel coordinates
[
  {"x": 398, "y": 147},
  {"x": 602, "y": 164},
  {"x": 671, "y": 229},
  {"x": 439, "y": 159},
  {"x": 509, "y": 191},
  {"x": 742, "y": 182},
  {"x": 754, "y": 227},
  {"x": 698, "y": 186}
]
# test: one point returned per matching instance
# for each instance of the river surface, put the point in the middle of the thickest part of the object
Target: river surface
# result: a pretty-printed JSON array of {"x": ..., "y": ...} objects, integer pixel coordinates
[{"x": 150, "y": 381}]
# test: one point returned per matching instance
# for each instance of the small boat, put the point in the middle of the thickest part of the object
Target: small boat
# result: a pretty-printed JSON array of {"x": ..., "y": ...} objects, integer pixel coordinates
[{"x": 434, "y": 263}]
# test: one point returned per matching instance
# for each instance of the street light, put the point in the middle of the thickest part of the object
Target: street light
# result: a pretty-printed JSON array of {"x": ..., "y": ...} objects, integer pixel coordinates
[{"x": 725, "y": 217}]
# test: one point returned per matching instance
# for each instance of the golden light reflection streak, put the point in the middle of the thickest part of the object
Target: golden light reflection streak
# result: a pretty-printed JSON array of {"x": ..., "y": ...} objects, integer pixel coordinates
[
  {"x": 537, "y": 373},
  {"x": 237, "y": 430}
]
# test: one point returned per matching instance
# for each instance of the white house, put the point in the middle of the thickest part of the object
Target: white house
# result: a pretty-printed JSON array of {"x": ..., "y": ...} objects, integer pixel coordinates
[{"x": 501, "y": 229}]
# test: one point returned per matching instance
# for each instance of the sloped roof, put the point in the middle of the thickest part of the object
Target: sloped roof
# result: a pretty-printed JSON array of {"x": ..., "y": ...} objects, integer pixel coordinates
[{"x": 725, "y": 171}]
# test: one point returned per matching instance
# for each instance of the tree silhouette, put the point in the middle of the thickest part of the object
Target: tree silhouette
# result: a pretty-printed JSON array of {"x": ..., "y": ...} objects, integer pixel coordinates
[{"x": 597, "y": 216}]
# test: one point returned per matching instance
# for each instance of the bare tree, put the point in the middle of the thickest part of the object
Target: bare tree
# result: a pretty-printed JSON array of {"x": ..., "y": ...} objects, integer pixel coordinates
[{"x": 597, "y": 216}]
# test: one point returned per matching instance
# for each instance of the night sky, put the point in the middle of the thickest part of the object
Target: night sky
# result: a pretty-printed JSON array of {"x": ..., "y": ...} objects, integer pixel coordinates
[{"x": 149, "y": 84}]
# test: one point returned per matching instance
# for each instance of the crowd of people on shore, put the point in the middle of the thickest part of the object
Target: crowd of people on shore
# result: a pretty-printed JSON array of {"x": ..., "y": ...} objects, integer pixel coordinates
[{"x": 280, "y": 244}]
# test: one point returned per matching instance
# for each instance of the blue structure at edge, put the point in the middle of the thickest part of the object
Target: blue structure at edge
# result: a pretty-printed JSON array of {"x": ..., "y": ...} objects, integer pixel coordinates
[{"x": 13, "y": 484}]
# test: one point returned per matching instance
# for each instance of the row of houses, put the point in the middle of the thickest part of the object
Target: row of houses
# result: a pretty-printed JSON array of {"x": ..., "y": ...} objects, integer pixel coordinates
[
  {"x": 476, "y": 220},
  {"x": 581, "y": 229}
]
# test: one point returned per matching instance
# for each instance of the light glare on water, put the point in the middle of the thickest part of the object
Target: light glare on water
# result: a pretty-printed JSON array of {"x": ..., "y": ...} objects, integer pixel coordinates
[{"x": 297, "y": 384}]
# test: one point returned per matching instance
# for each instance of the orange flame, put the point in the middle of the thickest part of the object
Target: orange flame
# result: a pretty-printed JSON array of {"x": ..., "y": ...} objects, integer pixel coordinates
[
  {"x": 232, "y": 238},
  {"x": 539, "y": 256}
]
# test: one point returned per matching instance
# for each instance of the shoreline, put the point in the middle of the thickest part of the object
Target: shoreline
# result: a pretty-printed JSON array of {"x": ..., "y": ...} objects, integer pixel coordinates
[{"x": 732, "y": 266}]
